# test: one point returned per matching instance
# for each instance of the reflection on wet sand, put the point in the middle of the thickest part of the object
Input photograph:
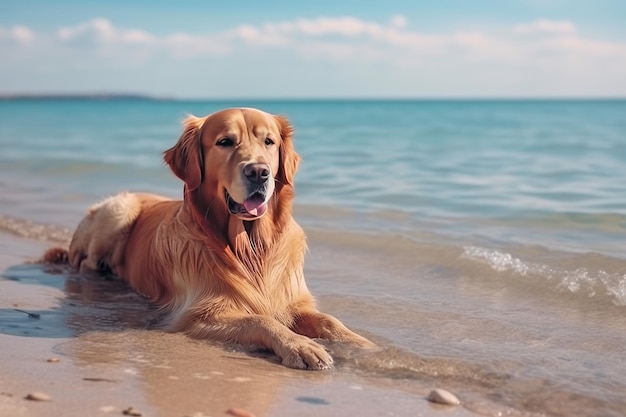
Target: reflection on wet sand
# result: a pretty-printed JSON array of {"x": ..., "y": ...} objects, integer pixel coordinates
[{"x": 178, "y": 376}]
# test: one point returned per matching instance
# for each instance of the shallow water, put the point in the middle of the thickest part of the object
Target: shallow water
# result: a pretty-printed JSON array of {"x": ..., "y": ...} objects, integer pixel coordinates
[{"x": 479, "y": 243}]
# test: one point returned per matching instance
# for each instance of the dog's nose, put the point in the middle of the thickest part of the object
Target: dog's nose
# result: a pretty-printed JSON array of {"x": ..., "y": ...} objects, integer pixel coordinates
[{"x": 256, "y": 172}]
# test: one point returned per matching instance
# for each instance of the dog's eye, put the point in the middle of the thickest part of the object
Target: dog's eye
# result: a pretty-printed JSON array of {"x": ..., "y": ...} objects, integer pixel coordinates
[
  {"x": 268, "y": 142},
  {"x": 225, "y": 142}
]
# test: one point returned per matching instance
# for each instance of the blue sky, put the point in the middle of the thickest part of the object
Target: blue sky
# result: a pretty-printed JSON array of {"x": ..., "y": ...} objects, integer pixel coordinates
[{"x": 273, "y": 49}]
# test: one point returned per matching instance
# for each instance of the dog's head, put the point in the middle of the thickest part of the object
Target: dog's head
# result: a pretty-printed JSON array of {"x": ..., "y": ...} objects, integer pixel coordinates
[{"x": 241, "y": 157}]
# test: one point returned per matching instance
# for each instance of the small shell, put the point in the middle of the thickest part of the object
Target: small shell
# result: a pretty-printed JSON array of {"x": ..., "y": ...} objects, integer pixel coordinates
[
  {"x": 53, "y": 360},
  {"x": 38, "y": 396},
  {"x": 441, "y": 396},
  {"x": 132, "y": 411},
  {"x": 239, "y": 412}
]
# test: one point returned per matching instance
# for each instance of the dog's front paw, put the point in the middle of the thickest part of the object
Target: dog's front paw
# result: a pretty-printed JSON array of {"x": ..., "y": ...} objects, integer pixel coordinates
[{"x": 304, "y": 353}]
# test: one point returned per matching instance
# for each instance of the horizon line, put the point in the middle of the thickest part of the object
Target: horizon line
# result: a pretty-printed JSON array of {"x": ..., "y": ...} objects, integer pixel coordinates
[{"x": 151, "y": 97}]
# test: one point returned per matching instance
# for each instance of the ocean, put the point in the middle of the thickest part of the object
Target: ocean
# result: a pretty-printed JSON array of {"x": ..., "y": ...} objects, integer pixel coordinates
[{"x": 481, "y": 242}]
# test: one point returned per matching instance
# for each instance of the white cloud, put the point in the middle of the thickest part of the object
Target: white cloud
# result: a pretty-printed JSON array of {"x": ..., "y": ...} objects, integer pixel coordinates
[
  {"x": 345, "y": 37},
  {"x": 344, "y": 26},
  {"x": 550, "y": 53},
  {"x": 182, "y": 45},
  {"x": 17, "y": 34},
  {"x": 351, "y": 35},
  {"x": 546, "y": 26},
  {"x": 398, "y": 22},
  {"x": 269, "y": 35},
  {"x": 102, "y": 31}
]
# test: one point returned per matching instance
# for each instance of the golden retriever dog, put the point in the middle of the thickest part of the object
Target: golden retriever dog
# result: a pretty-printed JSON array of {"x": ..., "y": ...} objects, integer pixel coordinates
[{"x": 226, "y": 262}]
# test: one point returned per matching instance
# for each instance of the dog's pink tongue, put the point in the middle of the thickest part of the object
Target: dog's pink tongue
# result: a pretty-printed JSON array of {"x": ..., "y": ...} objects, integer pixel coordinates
[{"x": 255, "y": 206}]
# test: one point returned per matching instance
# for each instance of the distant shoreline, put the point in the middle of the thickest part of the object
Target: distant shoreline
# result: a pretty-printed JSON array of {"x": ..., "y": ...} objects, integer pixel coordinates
[
  {"x": 145, "y": 97},
  {"x": 90, "y": 97}
]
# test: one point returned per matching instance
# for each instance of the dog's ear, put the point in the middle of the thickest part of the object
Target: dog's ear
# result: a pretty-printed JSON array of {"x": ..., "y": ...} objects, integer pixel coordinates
[
  {"x": 186, "y": 158},
  {"x": 289, "y": 159}
]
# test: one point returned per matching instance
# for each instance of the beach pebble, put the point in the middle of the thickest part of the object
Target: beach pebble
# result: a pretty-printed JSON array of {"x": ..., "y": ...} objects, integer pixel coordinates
[
  {"x": 38, "y": 396},
  {"x": 53, "y": 360},
  {"x": 441, "y": 396},
  {"x": 132, "y": 411},
  {"x": 239, "y": 412}
]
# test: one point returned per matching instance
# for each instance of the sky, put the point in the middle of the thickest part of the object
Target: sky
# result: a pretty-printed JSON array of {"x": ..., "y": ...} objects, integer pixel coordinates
[{"x": 315, "y": 49}]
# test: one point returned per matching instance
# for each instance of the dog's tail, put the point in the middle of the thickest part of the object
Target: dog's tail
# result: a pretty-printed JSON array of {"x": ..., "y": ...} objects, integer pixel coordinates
[{"x": 57, "y": 256}]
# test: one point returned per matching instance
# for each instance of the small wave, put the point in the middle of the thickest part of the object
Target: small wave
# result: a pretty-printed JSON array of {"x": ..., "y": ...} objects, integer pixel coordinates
[
  {"x": 591, "y": 282},
  {"x": 32, "y": 230}
]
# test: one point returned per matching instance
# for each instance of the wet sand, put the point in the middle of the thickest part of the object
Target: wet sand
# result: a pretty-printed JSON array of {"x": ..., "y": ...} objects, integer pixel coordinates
[{"x": 109, "y": 360}]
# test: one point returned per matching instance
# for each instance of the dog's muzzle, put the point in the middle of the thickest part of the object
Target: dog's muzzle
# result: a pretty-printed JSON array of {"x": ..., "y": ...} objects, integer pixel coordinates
[
  {"x": 252, "y": 207},
  {"x": 259, "y": 186}
]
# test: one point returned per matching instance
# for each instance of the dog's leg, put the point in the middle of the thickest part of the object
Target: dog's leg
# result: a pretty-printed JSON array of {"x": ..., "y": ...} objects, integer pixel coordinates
[
  {"x": 295, "y": 350},
  {"x": 315, "y": 324}
]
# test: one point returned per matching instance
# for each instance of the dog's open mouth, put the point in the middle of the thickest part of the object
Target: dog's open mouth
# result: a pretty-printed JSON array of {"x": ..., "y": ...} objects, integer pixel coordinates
[{"x": 252, "y": 207}]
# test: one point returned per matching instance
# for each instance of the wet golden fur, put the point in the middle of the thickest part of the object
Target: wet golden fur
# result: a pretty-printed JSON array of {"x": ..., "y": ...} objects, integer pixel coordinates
[{"x": 217, "y": 275}]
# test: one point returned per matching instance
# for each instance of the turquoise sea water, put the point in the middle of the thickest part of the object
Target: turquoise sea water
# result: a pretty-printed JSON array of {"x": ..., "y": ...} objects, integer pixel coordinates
[
  {"x": 491, "y": 232},
  {"x": 537, "y": 172}
]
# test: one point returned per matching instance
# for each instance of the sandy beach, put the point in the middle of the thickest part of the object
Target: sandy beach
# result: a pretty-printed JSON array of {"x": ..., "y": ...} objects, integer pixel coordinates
[{"x": 108, "y": 361}]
